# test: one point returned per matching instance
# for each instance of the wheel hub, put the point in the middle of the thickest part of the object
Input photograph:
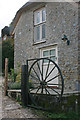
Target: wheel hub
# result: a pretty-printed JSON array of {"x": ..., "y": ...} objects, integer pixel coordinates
[{"x": 43, "y": 83}]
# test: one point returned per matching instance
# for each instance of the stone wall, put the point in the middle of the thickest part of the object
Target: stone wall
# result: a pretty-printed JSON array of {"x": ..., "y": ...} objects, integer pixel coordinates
[
  {"x": 69, "y": 102},
  {"x": 79, "y": 43},
  {"x": 62, "y": 18},
  {"x": 0, "y": 56}
]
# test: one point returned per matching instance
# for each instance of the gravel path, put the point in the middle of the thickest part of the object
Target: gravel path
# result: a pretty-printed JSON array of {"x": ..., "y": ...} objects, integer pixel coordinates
[
  {"x": 0, "y": 103},
  {"x": 0, "y": 97},
  {"x": 11, "y": 109}
]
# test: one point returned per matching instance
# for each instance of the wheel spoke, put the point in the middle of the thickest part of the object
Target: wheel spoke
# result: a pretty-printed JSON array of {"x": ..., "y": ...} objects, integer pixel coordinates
[
  {"x": 36, "y": 74},
  {"x": 39, "y": 68},
  {"x": 50, "y": 73},
  {"x": 45, "y": 82},
  {"x": 33, "y": 76},
  {"x": 53, "y": 78},
  {"x": 38, "y": 89},
  {"x": 31, "y": 89},
  {"x": 35, "y": 83},
  {"x": 47, "y": 69},
  {"x": 54, "y": 90},
  {"x": 47, "y": 91},
  {"x": 54, "y": 84},
  {"x": 42, "y": 68},
  {"x": 42, "y": 89}
]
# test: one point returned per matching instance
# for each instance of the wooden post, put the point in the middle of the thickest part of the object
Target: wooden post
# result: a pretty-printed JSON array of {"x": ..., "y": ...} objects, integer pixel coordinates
[
  {"x": 24, "y": 86},
  {"x": 6, "y": 77}
]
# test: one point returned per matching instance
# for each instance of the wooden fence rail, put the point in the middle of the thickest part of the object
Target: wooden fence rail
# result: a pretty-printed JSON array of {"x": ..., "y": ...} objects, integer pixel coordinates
[{"x": 6, "y": 77}]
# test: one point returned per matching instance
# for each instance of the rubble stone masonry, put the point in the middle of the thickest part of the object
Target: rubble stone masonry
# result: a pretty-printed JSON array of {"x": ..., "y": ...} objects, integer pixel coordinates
[{"x": 61, "y": 18}]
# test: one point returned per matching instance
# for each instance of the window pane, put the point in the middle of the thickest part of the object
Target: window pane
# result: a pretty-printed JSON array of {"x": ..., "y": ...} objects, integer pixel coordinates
[
  {"x": 38, "y": 17},
  {"x": 45, "y": 53},
  {"x": 53, "y": 58},
  {"x": 43, "y": 15},
  {"x": 35, "y": 33},
  {"x": 38, "y": 33},
  {"x": 43, "y": 31},
  {"x": 46, "y": 61},
  {"x": 52, "y": 52}
]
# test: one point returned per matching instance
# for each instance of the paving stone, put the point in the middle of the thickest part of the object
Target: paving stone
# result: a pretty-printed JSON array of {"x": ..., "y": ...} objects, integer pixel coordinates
[
  {"x": 12, "y": 106},
  {"x": 0, "y": 100},
  {"x": 11, "y": 109}
]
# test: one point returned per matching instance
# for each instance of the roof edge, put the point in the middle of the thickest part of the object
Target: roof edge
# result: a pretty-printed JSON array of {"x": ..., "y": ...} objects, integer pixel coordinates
[
  {"x": 19, "y": 12},
  {"x": 17, "y": 16}
]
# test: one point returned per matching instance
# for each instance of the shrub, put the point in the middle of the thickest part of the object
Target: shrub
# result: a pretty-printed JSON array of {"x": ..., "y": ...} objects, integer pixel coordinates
[
  {"x": 18, "y": 77},
  {"x": 8, "y": 52},
  {"x": 15, "y": 85},
  {"x": 12, "y": 75}
]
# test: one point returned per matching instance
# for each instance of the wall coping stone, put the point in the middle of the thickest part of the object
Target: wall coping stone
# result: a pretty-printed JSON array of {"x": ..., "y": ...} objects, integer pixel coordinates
[{"x": 14, "y": 90}]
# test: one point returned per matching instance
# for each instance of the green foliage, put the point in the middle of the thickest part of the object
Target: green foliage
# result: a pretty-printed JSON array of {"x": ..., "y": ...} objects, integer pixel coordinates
[
  {"x": 8, "y": 52},
  {"x": 18, "y": 77},
  {"x": 12, "y": 75},
  {"x": 67, "y": 115},
  {"x": 18, "y": 97},
  {"x": 15, "y": 79},
  {"x": 60, "y": 115},
  {"x": 15, "y": 85},
  {"x": 52, "y": 115}
]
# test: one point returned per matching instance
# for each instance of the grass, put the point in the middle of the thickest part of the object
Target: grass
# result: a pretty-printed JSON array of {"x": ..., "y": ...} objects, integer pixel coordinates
[
  {"x": 67, "y": 115},
  {"x": 71, "y": 115}
]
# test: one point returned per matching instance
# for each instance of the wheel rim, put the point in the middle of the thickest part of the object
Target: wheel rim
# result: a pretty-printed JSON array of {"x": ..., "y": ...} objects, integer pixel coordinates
[{"x": 41, "y": 84}]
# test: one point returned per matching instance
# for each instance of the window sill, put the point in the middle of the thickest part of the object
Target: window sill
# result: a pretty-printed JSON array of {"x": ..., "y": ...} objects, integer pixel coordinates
[{"x": 42, "y": 41}]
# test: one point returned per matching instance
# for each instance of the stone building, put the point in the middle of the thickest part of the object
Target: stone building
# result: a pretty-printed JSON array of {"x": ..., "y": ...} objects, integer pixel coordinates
[
  {"x": 41, "y": 28},
  {"x": 0, "y": 56}
]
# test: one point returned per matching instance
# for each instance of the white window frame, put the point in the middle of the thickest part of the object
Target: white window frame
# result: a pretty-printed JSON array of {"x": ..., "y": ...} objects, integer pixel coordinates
[
  {"x": 50, "y": 67},
  {"x": 48, "y": 49},
  {"x": 39, "y": 24}
]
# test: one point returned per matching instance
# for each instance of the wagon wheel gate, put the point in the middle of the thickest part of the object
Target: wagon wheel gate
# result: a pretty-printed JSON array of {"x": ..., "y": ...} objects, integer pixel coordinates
[{"x": 45, "y": 83}]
